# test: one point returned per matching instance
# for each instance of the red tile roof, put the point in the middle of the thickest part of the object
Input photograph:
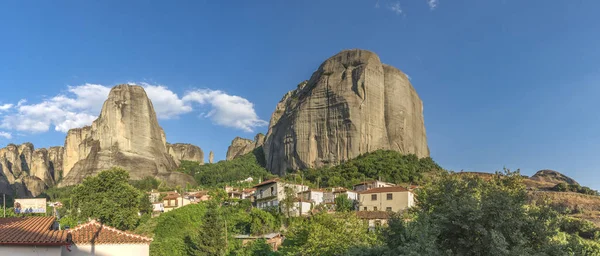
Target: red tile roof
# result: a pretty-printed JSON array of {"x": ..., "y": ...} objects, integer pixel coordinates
[
  {"x": 383, "y": 190},
  {"x": 266, "y": 182},
  {"x": 98, "y": 233},
  {"x": 31, "y": 231},
  {"x": 373, "y": 215}
]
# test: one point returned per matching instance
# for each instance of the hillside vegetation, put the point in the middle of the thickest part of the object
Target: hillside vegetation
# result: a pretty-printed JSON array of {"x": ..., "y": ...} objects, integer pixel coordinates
[
  {"x": 386, "y": 165},
  {"x": 227, "y": 172}
]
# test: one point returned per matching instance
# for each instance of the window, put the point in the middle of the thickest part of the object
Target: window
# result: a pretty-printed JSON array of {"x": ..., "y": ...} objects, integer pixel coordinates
[
  {"x": 272, "y": 190},
  {"x": 389, "y": 196},
  {"x": 375, "y": 208},
  {"x": 373, "y": 197},
  {"x": 389, "y": 209},
  {"x": 365, "y": 208}
]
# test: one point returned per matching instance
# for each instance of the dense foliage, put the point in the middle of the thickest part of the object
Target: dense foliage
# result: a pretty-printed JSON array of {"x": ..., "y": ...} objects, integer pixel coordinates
[
  {"x": 187, "y": 231},
  {"x": 110, "y": 199},
  {"x": 390, "y": 166},
  {"x": 227, "y": 172},
  {"x": 467, "y": 215},
  {"x": 327, "y": 234},
  {"x": 564, "y": 187},
  {"x": 343, "y": 203}
]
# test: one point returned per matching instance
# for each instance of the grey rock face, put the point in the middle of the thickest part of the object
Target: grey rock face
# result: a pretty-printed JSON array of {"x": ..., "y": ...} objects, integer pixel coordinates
[
  {"x": 240, "y": 146},
  {"x": 351, "y": 105},
  {"x": 26, "y": 170},
  {"x": 211, "y": 157},
  {"x": 126, "y": 135},
  {"x": 188, "y": 152}
]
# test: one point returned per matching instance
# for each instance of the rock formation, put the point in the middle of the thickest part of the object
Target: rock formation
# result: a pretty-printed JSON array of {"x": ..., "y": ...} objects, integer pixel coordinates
[
  {"x": 188, "y": 152},
  {"x": 553, "y": 177},
  {"x": 126, "y": 135},
  {"x": 351, "y": 105},
  {"x": 240, "y": 146},
  {"x": 211, "y": 157},
  {"x": 26, "y": 170}
]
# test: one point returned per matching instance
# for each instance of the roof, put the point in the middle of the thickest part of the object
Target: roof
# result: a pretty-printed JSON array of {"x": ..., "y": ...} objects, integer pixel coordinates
[
  {"x": 373, "y": 215},
  {"x": 383, "y": 190},
  {"x": 266, "y": 236},
  {"x": 171, "y": 197},
  {"x": 31, "y": 231},
  {"x": 266, "y": 182},
  {"x": 94, "y": 232}
]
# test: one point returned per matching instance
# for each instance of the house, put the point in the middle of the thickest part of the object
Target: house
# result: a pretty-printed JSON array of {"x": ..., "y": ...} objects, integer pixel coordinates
[
  {"x": 392, "y": 199},
  {"x": 32, "y": 236},
  {"x": 172, "y": 201},
  {"x": 157, "y": 209},
  {"x": 198, "y": 196},
  {"x": 154, "y": 196},
  {"x": 272, "y": 239},
  {"x": 315, "y": 196},
  {"x": 301, "y": 207},
  {"x": 374, "y": 219},
  {"x": 248, "y": 193},
  {"x": 366, "y": 185},
  {"x": 95, "y": 238},
  {"x": 271, "y": 192}
]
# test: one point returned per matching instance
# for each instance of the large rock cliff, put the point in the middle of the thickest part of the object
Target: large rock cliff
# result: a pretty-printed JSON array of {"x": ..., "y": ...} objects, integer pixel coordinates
[
  {"x": 187, "y": 152},
  {"x": 351, "y": 105},
  {"x": 26, "y": 171},
  {"x": 240, "y": 146},
  {"x": 126, "y": 135}
]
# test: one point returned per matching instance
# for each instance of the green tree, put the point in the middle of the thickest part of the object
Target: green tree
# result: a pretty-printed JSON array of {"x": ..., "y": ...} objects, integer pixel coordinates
[
  {"x": 466, "y": 215},
  {"x": 287, "y": 204},
  {"x": 327, "y": 234},
  {"x": 261, "y": 222},
  {"x": 343, "y": 204},
  {"x": 211, "y": 238},
  {"x": 109, "y": 198}
]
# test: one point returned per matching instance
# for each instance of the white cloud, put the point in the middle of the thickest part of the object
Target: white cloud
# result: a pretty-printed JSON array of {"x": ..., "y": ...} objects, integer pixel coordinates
[
  {"x": 227, "y": 110},
  {"x": 396, "y": 8},
  {"x": 5, "y": 107},
  {"x": 166, "y": 103},
  {"x": 5, "y": 135},
  {"x": 432, "y": 4},
  {"x": 80, "y": 105}
]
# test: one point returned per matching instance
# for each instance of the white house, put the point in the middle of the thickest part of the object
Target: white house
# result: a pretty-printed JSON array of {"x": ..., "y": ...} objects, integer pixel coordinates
[
  {"x": 95, "y": 238},
  {"x": 372, "y": 184},
  {"x": 271, "y": 192},
  {"x": 31, "y": 236},
  {"x": 313, "y": 195}
]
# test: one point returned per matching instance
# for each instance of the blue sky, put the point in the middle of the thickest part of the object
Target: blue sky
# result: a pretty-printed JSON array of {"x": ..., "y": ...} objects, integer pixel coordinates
[{"x": 505, "y": 83}]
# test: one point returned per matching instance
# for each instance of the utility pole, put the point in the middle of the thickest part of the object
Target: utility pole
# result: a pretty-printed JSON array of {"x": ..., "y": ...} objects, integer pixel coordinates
[{"x": 4, "y": 203}]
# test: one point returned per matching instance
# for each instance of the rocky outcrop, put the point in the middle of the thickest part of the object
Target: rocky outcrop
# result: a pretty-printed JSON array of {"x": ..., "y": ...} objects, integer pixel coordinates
[
  {"x": 55, "y": 161},
  {"x": 351, "y": 105},
  {"x": 187, "y": 152},
  {"x": 553, "y": 177},
  {"x": 240, "y": 146},
  {"x": 126, "y": 135},
  {"x": 211, "y": 157},
  {"x": 26, "y": 170}
]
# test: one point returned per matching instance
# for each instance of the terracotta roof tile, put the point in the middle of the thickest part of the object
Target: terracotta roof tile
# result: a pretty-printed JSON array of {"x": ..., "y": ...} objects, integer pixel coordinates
[
  {"x": 31, "y": 231},
  {"x": 373, "y": 215},
  {"x": 384, "y": 189},
  {"x": 97, "y": 233},
  {"x": 266, "y": 182}
]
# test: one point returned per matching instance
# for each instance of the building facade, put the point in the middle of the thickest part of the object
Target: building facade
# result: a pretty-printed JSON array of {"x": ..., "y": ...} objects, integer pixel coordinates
[
  {"x": 271, "y": 192},
  {"x": 391, "y": 199}
]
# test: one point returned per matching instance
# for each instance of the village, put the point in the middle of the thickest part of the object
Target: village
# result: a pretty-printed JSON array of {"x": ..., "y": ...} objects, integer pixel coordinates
[{"x": 373, "y": 201}]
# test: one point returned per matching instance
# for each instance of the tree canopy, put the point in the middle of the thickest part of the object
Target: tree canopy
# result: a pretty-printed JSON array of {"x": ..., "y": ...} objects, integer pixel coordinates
[
  {"x": 109, "y": 198},
  {"x": 387, "y": 165},
  {"x": 227, "y": 172}
]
